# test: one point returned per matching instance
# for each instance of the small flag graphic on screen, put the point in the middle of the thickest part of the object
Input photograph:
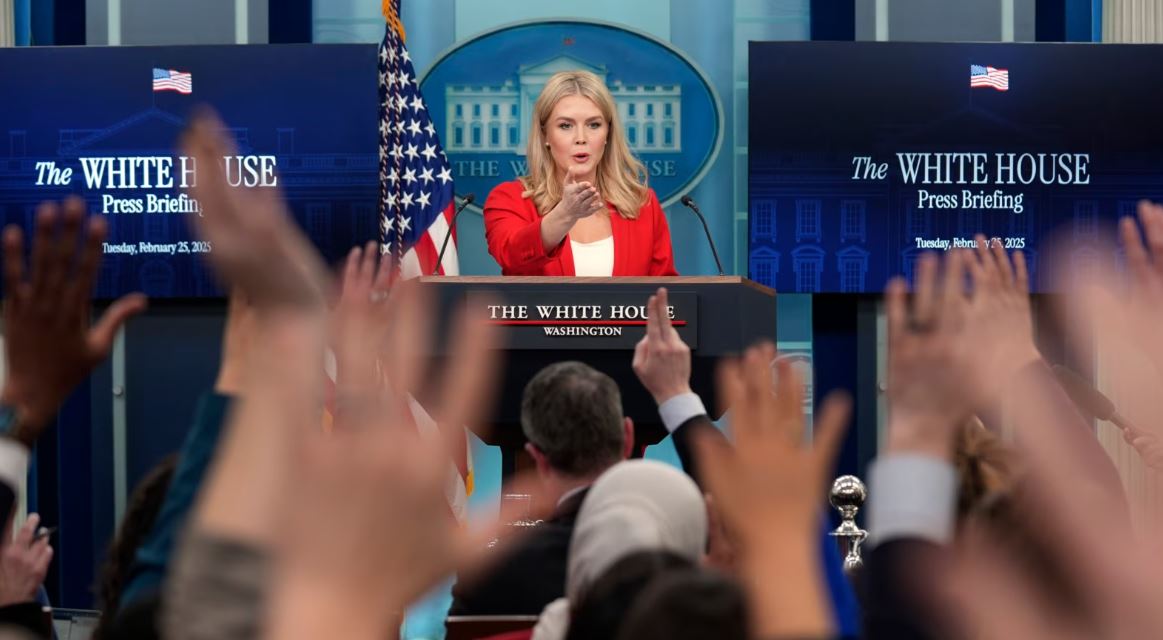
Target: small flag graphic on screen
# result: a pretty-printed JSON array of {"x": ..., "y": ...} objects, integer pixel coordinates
[
  {"x": 170, "y": 80},
  {"x": 980, "y": 76}
]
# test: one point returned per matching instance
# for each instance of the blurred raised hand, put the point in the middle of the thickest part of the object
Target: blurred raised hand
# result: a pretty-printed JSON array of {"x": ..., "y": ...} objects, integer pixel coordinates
[
  {"x": 24, "y": 562},
  {"x": 365, "y": 524},
  {"x": 928, "y": 351},
  {"x": 360, "y": 321},
  {"x": 769, "y": 488},
  {"x": 49, "y": 344},
  {"x": 255, "y": 244},
  {"x": 1096, "y": 577},
  {"x": 1000, "y": 326}
]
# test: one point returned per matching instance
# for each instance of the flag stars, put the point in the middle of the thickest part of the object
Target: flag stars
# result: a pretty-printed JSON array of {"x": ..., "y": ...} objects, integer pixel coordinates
[
  {"x": 426, "y": 175},
  {"x": 423, "y": 199},
  {"x": 393, "y": 175},
  {"x": 412, "y": 152},
  {"x": 429, "y": 152},
  {"x": 401, "y": 103},
  {"x": 417, "y": 104},
  {"x": 414, "y": 127},
  {"x": 405, "y": 56},
  {"x": 445, "y": 175},
  {"x": 396, "y": 153},
  {"x": 406, "y": 201},
  {"x": 430, "y": 130},
  {"x": 410, "y": 178},
  {"x": 403, "y": 223}
]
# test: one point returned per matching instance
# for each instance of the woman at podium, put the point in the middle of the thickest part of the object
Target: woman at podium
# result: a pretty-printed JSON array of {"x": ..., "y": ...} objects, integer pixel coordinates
[{"x": 585, "y": 208}]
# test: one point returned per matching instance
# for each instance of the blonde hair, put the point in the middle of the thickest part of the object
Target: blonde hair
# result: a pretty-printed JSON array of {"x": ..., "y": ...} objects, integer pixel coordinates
[{"x": 621, "y": 178}]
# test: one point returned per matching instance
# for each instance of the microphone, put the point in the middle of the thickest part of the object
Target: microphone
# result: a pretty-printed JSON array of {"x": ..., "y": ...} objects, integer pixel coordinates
[
  {"x": 1093, "y": 401},
  {"x": 689, "y": 203},
  {"x": 464, "y": 202}
]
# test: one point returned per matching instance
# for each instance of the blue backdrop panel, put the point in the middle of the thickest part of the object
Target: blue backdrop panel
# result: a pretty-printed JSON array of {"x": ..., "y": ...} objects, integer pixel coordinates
[
  {"x": 311, "y": 108},
  {"x": 817, "y": 226}
]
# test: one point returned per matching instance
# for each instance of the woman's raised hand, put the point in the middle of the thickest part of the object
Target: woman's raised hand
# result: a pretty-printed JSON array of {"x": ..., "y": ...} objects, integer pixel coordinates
[{"x": 579, "y": 199}]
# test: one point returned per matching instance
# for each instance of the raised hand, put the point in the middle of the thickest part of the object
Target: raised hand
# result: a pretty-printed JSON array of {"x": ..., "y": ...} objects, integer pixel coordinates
[
  {"x": 927, "y": 358},
  {"x": 49, "y": 344},
  {"x": 1142, "y": 312},
  {"x": 361, "y": 319},
  {"x": 365, "y": 524},
  {"x": 579, "y": 199},
  {"x": 662, "y": 361},
  {"x": 24, "y": 562},
  {"x": 769, "y": 488},
  {"x": 256, "y": 245},
  {"x": 999, "y": 320}
]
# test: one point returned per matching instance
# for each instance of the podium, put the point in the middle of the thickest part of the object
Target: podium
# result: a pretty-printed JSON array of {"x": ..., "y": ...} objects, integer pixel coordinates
[{"x": 598, "y": 321}]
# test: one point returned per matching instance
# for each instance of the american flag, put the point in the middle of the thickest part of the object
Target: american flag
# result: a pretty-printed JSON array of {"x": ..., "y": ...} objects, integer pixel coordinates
[
  {"x": 416, "y": 206},
  {"x": 416, "y": 196},
  {"x": 980, "y": 76},
  {"x": 170, "y": 80}
]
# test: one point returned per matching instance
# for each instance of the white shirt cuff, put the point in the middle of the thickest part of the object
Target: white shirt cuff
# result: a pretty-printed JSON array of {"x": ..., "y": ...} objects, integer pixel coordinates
[
  {"x": 911, "y": 496},
  {"x": 679, "y": 409},
  {"x": 13, "y": 464}
]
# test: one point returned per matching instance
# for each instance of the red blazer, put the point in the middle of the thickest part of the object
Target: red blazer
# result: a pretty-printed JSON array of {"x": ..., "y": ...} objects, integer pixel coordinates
[{"x": 513, "y": 231}]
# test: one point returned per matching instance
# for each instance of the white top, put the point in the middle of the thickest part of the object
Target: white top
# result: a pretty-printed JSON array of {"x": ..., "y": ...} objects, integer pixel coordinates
[{"x": 593, "y": 258}]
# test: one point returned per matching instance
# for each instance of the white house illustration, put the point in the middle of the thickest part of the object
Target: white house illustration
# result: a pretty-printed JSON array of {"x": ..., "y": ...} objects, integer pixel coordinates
[
  {"x": 495, "y": 118},
  {"x": 808, "y": 263},
  {"x": 852, "y": 262}
]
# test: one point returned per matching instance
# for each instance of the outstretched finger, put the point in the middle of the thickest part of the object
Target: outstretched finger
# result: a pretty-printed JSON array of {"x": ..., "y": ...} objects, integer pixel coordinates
[
  {"x": 925, "y": 290},
  {"x": 80, "y": 287},
  {"x": 102, "y": 334},
  {"x": 350, "y": 270},
  {"x": 64, "y": 250},
  {"x": 13, "y": 267},
  {"x": 24, "y": 535},
  {"x": 668, "y": 331},
  {"x": 986, "y": 259},
  {"x": 47, "y": 216},
  {"x": 1021, "y": 274},
  {"x": 1152, "y": 221},
  {"x": 1138, "y": 260},
  {"x": 953, "y": 289},
  {"x": 896, "y": 310},
  {"x": 204, "y": 142},
  {"x": 1004, "y": 268},
  {"x": 653, "y": 326},
  {"x": 367, "y": 266}
]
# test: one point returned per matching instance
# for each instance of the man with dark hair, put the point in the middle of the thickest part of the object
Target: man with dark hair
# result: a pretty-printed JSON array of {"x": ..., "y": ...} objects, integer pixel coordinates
[{"x": 572, "y": 416}]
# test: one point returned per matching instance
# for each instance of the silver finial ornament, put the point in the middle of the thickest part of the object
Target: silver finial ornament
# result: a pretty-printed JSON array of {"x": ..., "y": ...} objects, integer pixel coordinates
[{"x": 847, "y": 496}]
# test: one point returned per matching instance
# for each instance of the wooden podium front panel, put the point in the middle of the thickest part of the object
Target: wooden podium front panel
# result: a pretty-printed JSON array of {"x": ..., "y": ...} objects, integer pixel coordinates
[{"x": 719, "y": 316}]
